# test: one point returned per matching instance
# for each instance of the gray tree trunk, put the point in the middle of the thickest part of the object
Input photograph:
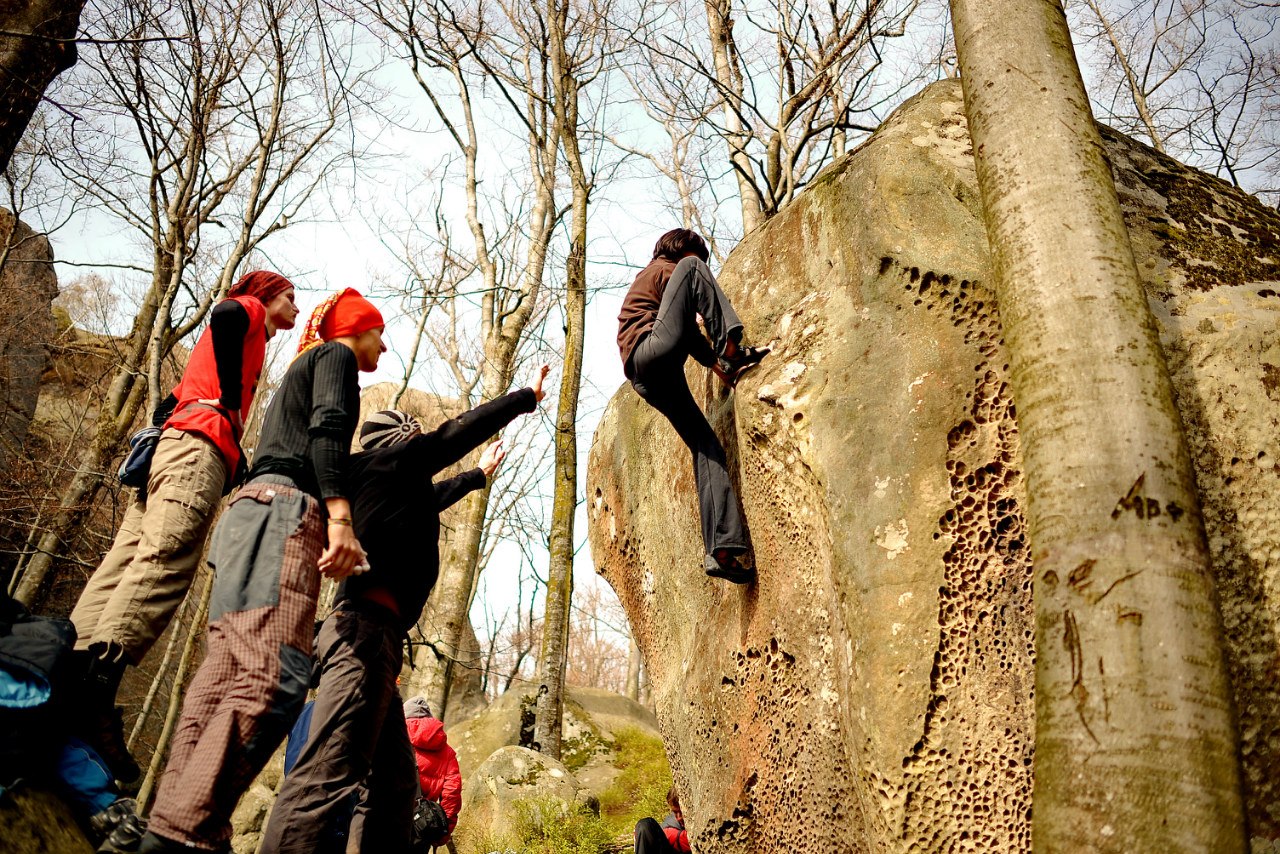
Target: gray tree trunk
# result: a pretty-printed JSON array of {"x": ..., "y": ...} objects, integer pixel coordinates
[
  {"x": 555, "y": 625},
  {"x": 1135, "y": 738}
]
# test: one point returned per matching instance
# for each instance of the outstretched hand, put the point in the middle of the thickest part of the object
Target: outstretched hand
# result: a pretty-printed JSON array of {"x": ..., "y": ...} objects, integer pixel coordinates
[
  {"x": 541, "y": 375},
  {"x": 491, "y": 458}
]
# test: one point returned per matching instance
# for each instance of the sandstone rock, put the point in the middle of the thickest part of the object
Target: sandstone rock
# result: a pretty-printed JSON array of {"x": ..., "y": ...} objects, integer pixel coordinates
[
  {"x": 873, "y": 692},
  {"x": 511, "y": 775},
  {"x": 250, "y": 818},
  {"x": 28, "y": 286}
]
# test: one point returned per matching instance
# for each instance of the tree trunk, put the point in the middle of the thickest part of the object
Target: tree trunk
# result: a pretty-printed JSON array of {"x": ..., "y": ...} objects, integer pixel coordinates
[
  {"x": 633, "y": 671},
  {"x": 1135, "y": 740},
  {"x": 720, "y": 31},
  {"x": 36, "y": 46},
  {"x": 161, "y": 754},
  {"x": 555, "y": 626}
]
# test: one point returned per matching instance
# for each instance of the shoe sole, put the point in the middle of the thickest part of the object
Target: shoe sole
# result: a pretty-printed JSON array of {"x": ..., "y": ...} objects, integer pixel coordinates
[{"x": 744, "y": 577}]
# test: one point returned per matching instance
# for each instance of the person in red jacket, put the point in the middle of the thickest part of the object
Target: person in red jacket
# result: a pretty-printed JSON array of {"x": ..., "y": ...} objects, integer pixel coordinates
[
  {"x": 136, "y": 590},
  {"x": 438, "y": 772},
  {"x": 670, "y": 836}
]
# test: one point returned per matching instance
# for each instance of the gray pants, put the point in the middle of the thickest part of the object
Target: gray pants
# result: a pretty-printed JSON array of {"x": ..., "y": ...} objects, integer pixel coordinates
[
  {"x": 357, "y": 739},
  {"x": 657, "y": 374}
]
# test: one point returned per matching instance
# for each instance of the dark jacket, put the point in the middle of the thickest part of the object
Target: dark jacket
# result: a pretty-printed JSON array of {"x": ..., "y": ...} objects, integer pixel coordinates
[{"x": 395, "y": 507}]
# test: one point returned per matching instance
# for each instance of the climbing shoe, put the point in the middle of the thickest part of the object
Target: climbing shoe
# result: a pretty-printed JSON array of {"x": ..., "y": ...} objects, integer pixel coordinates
[
  {"x": 744, "y": 358},
  {"x": 731, "y": 567},
  {"x": 126, "y": 837},
  {"x": 101, "y": 824}
]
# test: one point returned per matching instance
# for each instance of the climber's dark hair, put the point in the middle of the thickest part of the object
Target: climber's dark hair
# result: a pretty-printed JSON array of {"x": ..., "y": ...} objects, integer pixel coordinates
[
  {"x": 673, "y": 799},
  {"x": 679, "y": 242}
]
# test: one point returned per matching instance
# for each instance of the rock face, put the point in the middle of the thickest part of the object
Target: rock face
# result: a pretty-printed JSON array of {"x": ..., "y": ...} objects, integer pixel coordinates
[
  {"x": 874, "y": 690},
  {"x": 592, "y": 718},
  {"x": 511, "y": 774},
  {"x": 27, "y": 289}
]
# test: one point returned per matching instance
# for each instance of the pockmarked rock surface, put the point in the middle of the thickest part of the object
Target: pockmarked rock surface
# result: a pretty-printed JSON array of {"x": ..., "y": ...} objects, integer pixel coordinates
[
  {"x": 873, "y": 691},
  {"x": 28, "y": 286}
]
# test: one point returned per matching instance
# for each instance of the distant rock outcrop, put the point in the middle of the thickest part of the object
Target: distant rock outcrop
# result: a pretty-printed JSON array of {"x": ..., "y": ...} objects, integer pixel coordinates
[
  {"x": 874, "y": 690},
  {"x": 28, "y": 286}
]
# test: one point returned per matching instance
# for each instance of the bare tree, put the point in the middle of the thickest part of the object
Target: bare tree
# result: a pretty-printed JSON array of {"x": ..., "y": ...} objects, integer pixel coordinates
[
  {"x": 1194, "y": 78},
  {"x": 1135, "y": 742},
  {"x": 205, "y": 148},
  {"x": 450, "y": 53},
  {"x": 789, "y": 80}
]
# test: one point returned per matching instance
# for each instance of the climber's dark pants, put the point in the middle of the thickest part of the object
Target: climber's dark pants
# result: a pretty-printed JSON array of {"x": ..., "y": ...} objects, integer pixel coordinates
[
  {"x": 650, "y": 839},
  {"x": 656, "y": 370}
]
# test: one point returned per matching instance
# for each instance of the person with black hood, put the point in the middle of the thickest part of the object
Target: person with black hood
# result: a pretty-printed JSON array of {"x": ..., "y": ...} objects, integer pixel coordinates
[{"x": 358, "y": 734}]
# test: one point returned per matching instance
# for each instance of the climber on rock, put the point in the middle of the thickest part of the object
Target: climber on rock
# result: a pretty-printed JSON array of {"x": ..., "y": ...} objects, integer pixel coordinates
[
  {"x": 288, "y": 525},
  {"x": 657, "y": 332},
  {"x": 358, "y": 736},
  {"x": 142, "y": 580}
]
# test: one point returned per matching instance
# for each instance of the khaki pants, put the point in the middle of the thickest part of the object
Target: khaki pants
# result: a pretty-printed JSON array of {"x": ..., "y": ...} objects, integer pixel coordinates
[{"x": 134, "y": 593}]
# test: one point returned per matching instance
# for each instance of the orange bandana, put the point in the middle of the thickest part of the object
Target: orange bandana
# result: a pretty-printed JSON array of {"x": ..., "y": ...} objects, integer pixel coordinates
[{"x": 341, "y": 314}]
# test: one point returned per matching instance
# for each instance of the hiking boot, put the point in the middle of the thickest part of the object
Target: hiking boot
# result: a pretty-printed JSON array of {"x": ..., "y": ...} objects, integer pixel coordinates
[
  {"x": 101, "y": 824},
  {"x": 101, "y": 724},
  {"x": 744, "y": 358},
  {"x": 731, "y": 567},
  {"x": 103, "y": 730},
  {"x": 126, "y": 838}
]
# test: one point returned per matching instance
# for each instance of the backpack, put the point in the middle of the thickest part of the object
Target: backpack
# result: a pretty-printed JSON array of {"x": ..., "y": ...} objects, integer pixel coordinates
[
  {"x": 430, "y": 825},
  {"x": 35, "y": 665}
]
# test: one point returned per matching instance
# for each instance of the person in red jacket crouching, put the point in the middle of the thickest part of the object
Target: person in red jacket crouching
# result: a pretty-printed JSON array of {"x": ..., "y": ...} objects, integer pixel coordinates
[
  {"x": 438, "y": 773},
  {"x": 652, "y": 838}
]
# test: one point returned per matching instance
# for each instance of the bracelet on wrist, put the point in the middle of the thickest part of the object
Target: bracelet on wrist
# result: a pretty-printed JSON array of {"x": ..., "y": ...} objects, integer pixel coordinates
[{"x": 333, "y": 521}]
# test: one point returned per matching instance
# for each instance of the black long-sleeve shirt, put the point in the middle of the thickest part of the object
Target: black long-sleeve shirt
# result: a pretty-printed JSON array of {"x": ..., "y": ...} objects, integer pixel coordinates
[
  {"x": 307, "y": 432},
  {"x": 396, "y": 507},
  {"x": 229, "y": 324}
]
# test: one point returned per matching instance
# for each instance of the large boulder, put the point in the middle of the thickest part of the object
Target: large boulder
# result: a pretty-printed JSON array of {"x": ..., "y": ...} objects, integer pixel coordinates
[
  {"x": 874, "y": 690},
  {"x": 492, "y": 795},
  {"x": 592, "y": 719},
  {"x": 28, "y": 286}
]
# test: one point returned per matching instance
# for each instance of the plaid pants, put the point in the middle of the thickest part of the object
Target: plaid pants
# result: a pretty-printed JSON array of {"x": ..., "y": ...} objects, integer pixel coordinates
[{"x": 253, "y": 681}]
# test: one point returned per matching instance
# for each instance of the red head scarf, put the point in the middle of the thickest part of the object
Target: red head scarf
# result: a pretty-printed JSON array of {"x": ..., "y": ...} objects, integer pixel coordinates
[
  {"x": 263, "y": 284},
  {"x": 341, "y": 314}
]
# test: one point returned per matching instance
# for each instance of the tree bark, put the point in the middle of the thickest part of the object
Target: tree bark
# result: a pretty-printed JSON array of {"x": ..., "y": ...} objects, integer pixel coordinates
[
  {"x": 1135, "y": 738},
  {"x": 36, "y": 45},
  {"x": 720, "y": 32},
  {"x": 179, "y": 691},
  {"x": 553, "y": 657}
]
